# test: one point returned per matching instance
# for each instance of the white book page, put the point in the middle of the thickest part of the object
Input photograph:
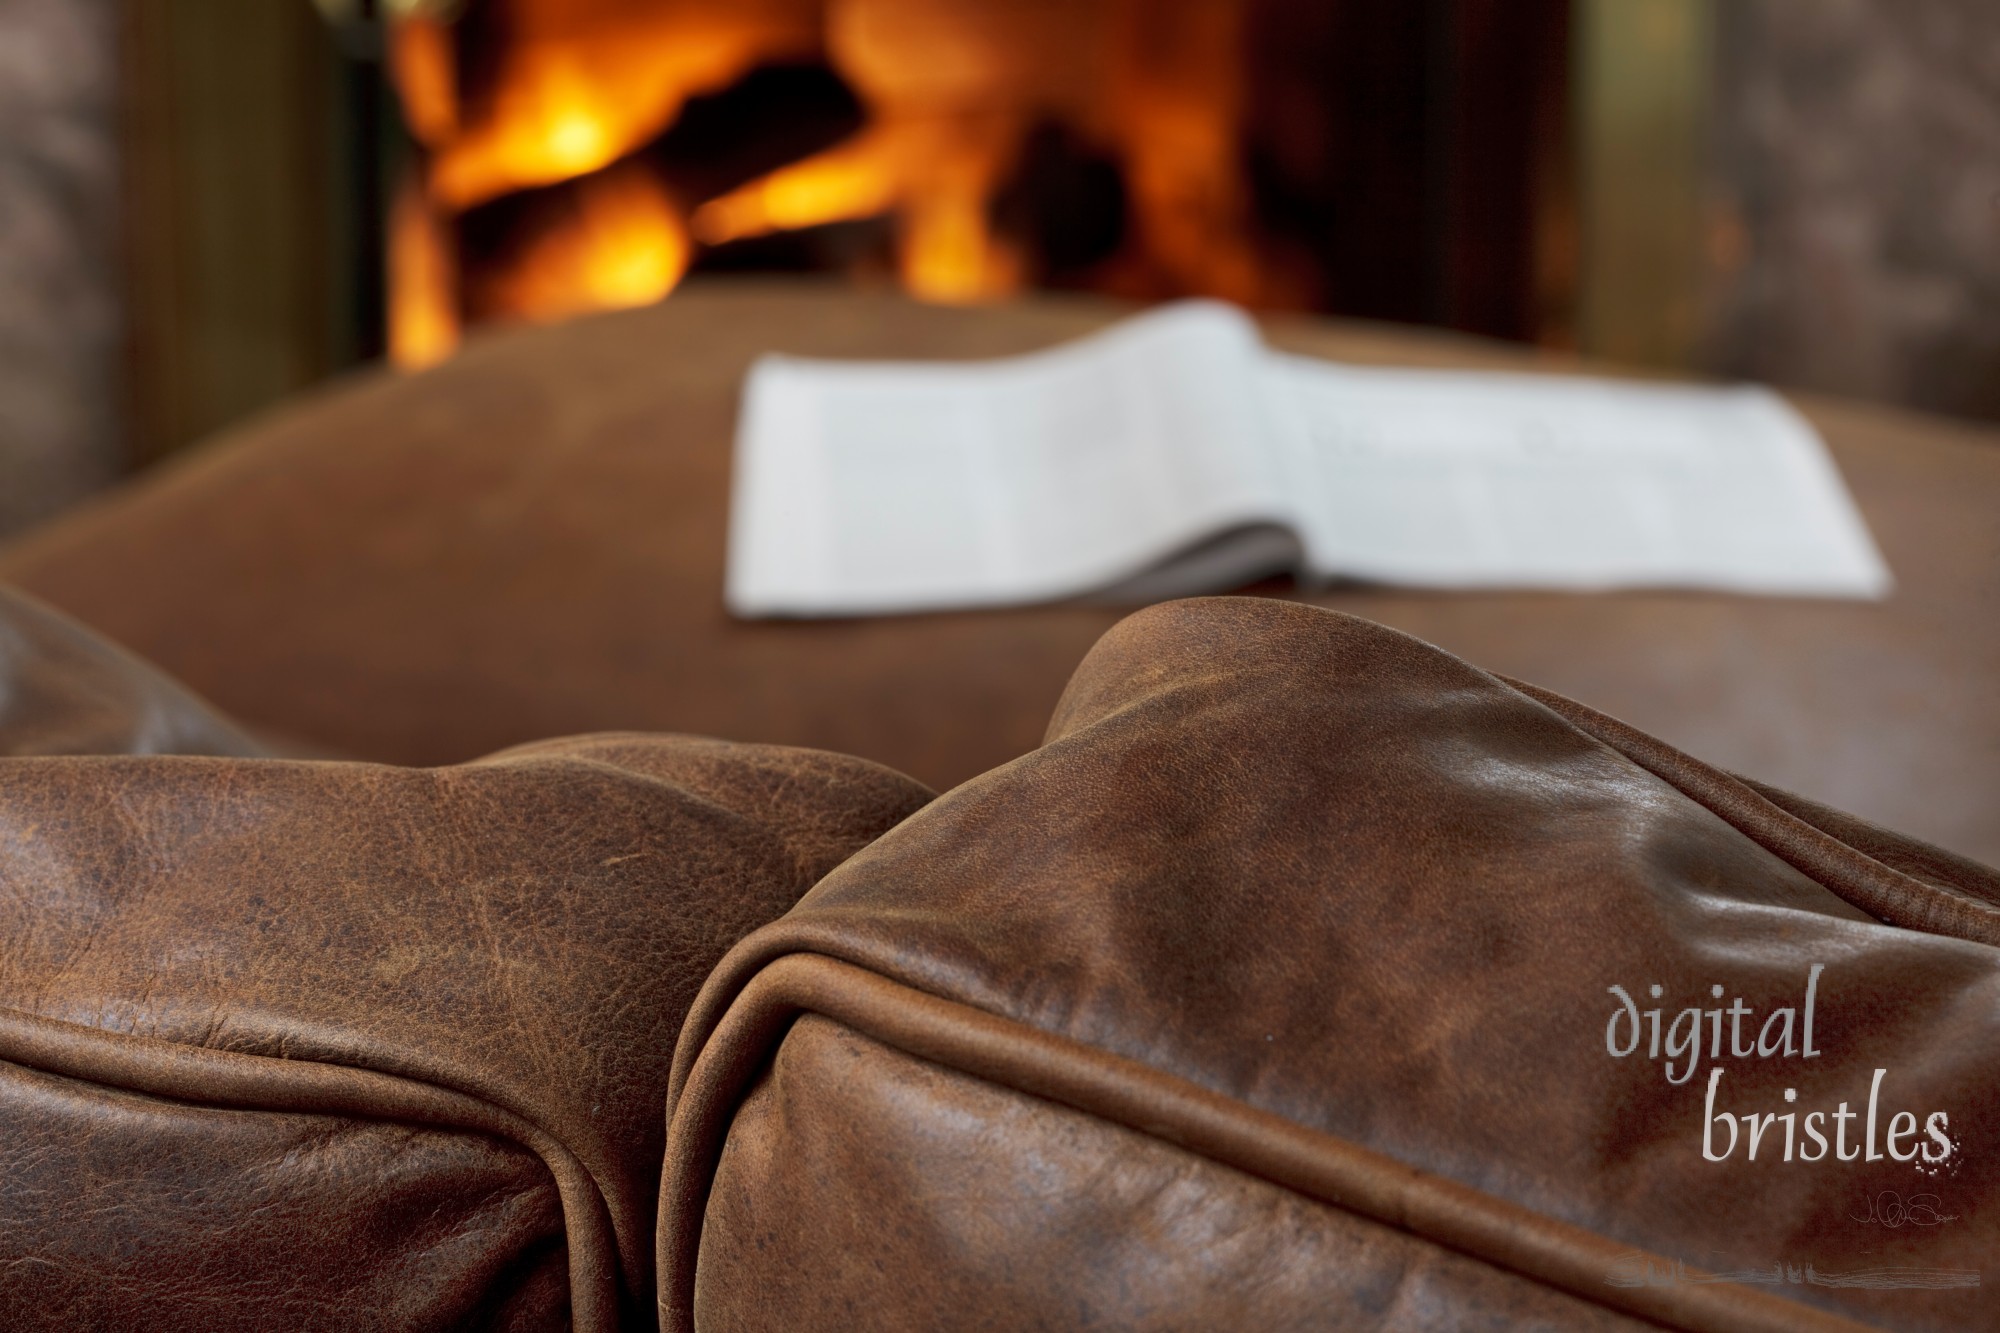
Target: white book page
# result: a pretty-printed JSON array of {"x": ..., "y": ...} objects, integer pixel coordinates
[
  {"x": 1466, "y": 480},
  {"x": 881, "y": 486}
]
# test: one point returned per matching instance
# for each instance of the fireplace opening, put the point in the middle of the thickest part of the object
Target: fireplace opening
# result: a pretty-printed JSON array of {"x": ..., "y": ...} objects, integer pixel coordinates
[{"x": 1395, "y": 161}]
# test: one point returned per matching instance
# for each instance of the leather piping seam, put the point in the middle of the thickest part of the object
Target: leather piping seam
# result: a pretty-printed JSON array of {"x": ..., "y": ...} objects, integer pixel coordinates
[
  {"x": 1163, "y": 1106},
  {"x": 236, "y": 1080},
  {"x": 1845, "y": 871}
]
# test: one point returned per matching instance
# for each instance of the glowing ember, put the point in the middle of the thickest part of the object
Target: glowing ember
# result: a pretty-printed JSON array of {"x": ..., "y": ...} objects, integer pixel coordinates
[
  {"x": 935, "y": 174},
  {"x": 623, "y": 245},
  {"x": 853, "y": 180}
]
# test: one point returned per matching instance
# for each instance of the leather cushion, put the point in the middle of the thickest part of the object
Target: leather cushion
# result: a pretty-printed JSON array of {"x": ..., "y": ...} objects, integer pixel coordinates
[
  {"x": 1274, "y": 991},
  {"x": 295, "y": 1044}
]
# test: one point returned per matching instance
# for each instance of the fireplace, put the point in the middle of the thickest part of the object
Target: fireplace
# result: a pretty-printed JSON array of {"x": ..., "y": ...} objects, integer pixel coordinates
[{"x": 1401, "y": 161}]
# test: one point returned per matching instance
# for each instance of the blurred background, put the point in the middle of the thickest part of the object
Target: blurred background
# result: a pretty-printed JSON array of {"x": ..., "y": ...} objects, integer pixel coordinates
[{"x": 209, "y": 205}]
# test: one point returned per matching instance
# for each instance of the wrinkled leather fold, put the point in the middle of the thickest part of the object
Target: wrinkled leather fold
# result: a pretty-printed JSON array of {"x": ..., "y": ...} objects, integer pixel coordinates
[
  {"x": 295, "y": 1044},
  {"x": 1300, "y": 943}
]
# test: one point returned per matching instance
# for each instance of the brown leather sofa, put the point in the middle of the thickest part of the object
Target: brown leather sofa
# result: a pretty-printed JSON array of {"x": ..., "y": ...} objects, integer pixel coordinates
[
  {"x": 1278, "y": 988},
  {"x": 1271, "y": 985}
]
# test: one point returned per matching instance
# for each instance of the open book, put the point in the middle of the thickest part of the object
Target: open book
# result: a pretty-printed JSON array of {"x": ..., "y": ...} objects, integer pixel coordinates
[{"x": 1174, "y": 454}]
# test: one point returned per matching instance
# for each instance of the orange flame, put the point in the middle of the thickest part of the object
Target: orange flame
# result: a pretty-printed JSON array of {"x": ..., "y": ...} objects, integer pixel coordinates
[
  {"x": 581, "y": 83},
  {"x": 423, "y": 292},
  {"x": 624, "y": 245},
  {"x": 934, "y": 174},
  {"x": 421, "y": 63},
  {"x": 850, "y": 180}
]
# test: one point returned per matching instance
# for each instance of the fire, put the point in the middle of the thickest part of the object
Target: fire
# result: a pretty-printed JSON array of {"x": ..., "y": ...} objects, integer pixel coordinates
[
  {"x": 852, "y": 180},
  {"x": 558, "y": 120},
  {"x": 576, "y": 88},
  {"x": 423, "y": 306},
  {"x": 580, "y": 83},
  {"x": 934, "y": 174},
  {"x": 624, "y": 245}
]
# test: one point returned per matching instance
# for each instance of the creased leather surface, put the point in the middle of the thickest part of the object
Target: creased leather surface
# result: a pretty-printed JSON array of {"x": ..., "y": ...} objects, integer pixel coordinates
[
  {"x": 1340, "y": 877},
  {"x": 64, "y": 690},
  {"x": 292, "y": 1044}
]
